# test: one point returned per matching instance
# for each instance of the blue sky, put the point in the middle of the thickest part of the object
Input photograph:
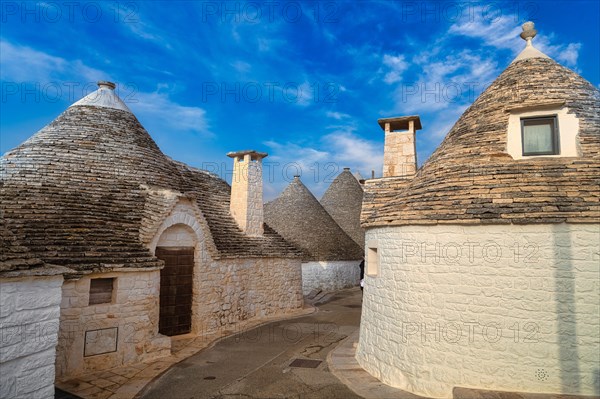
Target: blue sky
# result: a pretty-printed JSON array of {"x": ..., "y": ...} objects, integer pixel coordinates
[{"x": 303, "y": 81}]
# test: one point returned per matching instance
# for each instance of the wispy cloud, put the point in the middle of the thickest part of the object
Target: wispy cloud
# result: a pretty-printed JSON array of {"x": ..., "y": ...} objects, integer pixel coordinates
[
  {"x": 26, "y": 64},
  {"x": 397, "y": 65},
  {"x": 499, "y": 32},
  {"x": 350, "y": 150},
  {"x": 337, "y": 115},
  {"x": 446, "y": 81},
  {"x": 502, "y": 33},
  {"x": 161, "y": 111},
  {"x": 319, "y": 163}
]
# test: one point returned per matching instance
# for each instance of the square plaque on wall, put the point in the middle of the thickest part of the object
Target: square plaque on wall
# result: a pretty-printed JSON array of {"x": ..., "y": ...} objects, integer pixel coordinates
[{"x": 101, "y": 341}]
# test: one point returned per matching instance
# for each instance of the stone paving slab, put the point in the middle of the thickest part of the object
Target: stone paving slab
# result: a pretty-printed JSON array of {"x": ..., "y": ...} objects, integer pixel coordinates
[
  {"x": 344, "y": 366},
  {"x": 127, "y": 381}
]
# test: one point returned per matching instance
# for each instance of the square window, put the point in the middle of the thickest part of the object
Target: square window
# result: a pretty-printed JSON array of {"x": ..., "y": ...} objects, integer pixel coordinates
[
  {"x": 540, "y": 136},
  {"x": 101, "y": 290},
  {"x": 372, "y": 261}
]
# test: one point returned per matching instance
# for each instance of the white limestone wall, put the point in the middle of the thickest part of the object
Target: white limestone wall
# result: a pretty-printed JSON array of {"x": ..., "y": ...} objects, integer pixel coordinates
[
  {"x": 178, "y": 235},
  {"x": 29, "y": 319},
  {"x": 128, "y": 323},
  {"x": 229, "y": 291},
  {"x": 509, "y": 308},
  {"x": 330, "y": 275}
]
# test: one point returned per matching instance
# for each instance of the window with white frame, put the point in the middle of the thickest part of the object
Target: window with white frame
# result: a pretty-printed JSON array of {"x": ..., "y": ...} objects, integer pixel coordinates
[
  {"x": 542, "y": 131},
  {"x": 540, "y": 136}
]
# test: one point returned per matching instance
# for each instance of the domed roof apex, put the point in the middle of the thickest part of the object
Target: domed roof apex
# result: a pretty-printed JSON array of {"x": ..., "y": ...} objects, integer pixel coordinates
[
  {"x": 104, "y": 97},
  {"x": 529, "y": 51}
]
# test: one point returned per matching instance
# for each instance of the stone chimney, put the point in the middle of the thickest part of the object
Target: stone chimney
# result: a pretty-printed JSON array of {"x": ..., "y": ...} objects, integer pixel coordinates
[
  {"x": 246, "y": 204},
  {"x": 400, "y": 153}
]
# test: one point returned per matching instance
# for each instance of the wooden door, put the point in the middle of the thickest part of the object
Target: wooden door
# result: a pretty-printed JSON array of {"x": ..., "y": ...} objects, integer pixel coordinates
[{"x": 176, "y": 290}]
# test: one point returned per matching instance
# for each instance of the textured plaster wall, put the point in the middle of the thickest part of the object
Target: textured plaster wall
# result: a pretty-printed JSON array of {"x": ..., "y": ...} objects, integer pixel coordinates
[
  {"x": 133, "y": 311},
  {"x": 330, "y": 276},
  {"x": 29, "y": 318},
  {"x": 510, "y": 308}
]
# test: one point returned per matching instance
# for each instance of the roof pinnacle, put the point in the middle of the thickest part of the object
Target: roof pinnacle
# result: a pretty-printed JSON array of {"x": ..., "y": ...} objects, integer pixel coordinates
[
  {"x": 529, "y": 51},
  {"x": 528, "y": 32}
]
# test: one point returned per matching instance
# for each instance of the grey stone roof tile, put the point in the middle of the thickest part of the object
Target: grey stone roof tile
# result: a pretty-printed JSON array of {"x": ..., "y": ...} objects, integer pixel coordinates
[
  {"x": 74, "y": 195},
  {"x": 471, "y": 179},
  {"x": 343, "y": 201},
  {"x": 299, "y": 217}
]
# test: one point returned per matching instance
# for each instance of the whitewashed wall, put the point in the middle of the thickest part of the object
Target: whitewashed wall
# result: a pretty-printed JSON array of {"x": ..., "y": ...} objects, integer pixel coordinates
[
  {"x": 330, "y": 275},
  {"x": 510, "y": 308},
  {"x": 29, "y": 318}
]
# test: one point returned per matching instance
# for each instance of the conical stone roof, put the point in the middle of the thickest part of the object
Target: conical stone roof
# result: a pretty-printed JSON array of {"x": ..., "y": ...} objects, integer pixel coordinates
[
  {"x": 76, "y": 194},
  {"x": 343, "y": 201},
  {"x": 14, "y": 256},
  {"x": 471, "y": 178},
  {"x": 299, "y": 218}
]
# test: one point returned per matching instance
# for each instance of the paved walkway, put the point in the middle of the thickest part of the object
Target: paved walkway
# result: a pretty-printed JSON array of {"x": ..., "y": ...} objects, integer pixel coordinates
[
  {"x": 344, "y": 366},
  {"x": 126, "y": 382},
  {"x": 308, "y": 355},
  {"x": 285, "y": 359}
]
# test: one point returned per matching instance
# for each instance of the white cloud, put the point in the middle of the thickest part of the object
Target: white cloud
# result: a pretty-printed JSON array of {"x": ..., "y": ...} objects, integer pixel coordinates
[
  {"x": 500, "y": 32},
  {"x": 158, "y": 109},
  {"x": 288, "y": 159},
  {"x": 25, "y": 64},
  {"x": 565, "y": 54},
  {"x": 302, "y": 94},
  {"x": 129, "y": 15},
  {"x": 397, "y": 65},
  {"x": 241, "y": 66},
  {"x": 337, "y": 115},
  {"x": 305, "y": 94},
  {"x": 449, "y": 81},
  {"x": 445, "y": 84},
  {"x": 293, "y": 157},
  {"x": 321, "y": 162},
  {"x": 349, "y": 150},
  {"x": 503, "y": 33}
]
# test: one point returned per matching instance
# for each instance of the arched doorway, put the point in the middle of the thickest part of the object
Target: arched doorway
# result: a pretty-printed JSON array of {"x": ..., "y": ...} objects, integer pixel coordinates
[{"x": 176, "y": 248}]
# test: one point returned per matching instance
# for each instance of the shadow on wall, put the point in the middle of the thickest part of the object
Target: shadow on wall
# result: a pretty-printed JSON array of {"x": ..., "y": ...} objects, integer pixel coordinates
[{"x": 564, "y": 279}]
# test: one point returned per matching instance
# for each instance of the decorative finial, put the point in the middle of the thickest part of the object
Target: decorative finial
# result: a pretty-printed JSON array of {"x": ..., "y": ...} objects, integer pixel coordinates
[
  {"x": 528, "y": 32},
  {"x": 106, "y": 84}
]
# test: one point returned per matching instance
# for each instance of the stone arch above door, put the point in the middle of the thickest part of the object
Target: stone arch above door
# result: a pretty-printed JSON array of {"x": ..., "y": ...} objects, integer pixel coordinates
[
  {"x": 178, "y": 235},
  {"x": 187, "y": 217}
]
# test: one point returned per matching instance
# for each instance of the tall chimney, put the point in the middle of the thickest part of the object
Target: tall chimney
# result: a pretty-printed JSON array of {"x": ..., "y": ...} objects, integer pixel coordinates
[
  {"x": 400, "y": 153},
  {"x": 246, "y": 205}
]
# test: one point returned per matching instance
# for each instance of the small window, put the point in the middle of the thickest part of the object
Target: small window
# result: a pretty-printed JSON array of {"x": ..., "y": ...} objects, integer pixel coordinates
[
  {"x": 372, "y": 262},
  {"x": 101, "y": 290},
  {"x": 540, "y": 136}
]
